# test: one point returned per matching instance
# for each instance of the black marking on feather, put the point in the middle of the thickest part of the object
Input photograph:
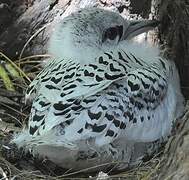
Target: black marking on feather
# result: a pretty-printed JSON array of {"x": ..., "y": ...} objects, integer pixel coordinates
[
  {"x": 110, "y": 133},
  {"x": 114, "y": 99},
  {"x": 70, "y": 92},
  {"x": 76, "y": 108},
  {"x": 43, "y": 123},
  {"x": 88, "y": 126},
  {"x": 126, "y": 55},
  {"x": 148, "y": 77},
  {"x": 87, "y": 73},
  {"x": 109, "y": 117},
  {"x": 71, "y": 68},
  {"x": 94, "y": 115},
  {"x": 134, "y": 87},
  {"x": 135, "y": 76},
  {"x": 132, "y": 101},
  {"x": 118, "y": 85},
  {"x": 56, "y": 69},
  {"x": 103, "y": 107},
  {"x": 109, "y": 56},
  {"x": 135, "y": 120},
  {"x": 51, "y": 87},
  {"x": 79, "y": 80},
  {"x": 70, "y": 87},
  {"x": 80, "y": 131},
  {"x": 116, "y": 122},
  {"x": 146, "y": 86},
  {"x": 161, "y": 86},
  {"x": 98, "y": 78},
  {"x": 42, "y": 77},
  {"x": 146, "y": 100},
  {"x": 129, "y": 115},
  {"x": 89, "y": 100},
  {"x": 70, "y": 100},
  {"x": 163, "y": 64},
  {"x": 101, "y": 61},
  {"x": 77, "y": 102},
  {"x": 62, "y": 125},
  {"x": 111, "y": 93},
  {"x": 91, "y": 85},
  {"x": 68, "y": 122},
  {"x": 123, "y": 125},
  {"x": 137, "y": 61},
  {"x": 62, "y": 113},
  {"x": 68, "y": 116},
  {"x": 33, "y": 129},
  {"x": 139, "y": 95},
  {"x": 113, "y": 77},
  {"x": 100, "y": 70},
  {"x": 156, "y": 92},
  {"x": 61, "y": 72},
  {"x": 123, "y": 66},
  {"x": 38, "y": 118},
  {"x": 139, "y": 105},
  {"x": 121, "y": 57},
  {"x": 93, "y": 66},
  {"x": 78, "y": 75},
  {"x": 69, "y": 76},
  {"x": 43, "y": 104},
  {"x": 158, "y": 75},
  {"x": 62, "y": 94},
  {"x": 45, "y": 79},
  {"x": 59, "y": 106},
  {"x": 56, "y": 81},
  {"x": 98, "y": 129},
  {"x": 126, "y": 90},
  {"x": 113, "y": 69},
  {"x": 29, "y": 89},
  {"x": 152, "y": 100},
  {"x": 121, "y": 107}
]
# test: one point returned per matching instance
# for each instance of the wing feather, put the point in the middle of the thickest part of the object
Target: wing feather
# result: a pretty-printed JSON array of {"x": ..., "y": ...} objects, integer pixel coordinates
[
  {"x": 61, "y": 89},
  {"x": 61, "y": 80}
]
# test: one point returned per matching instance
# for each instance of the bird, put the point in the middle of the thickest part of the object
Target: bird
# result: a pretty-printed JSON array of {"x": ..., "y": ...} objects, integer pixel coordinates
[{"x": 102, "y": 98}]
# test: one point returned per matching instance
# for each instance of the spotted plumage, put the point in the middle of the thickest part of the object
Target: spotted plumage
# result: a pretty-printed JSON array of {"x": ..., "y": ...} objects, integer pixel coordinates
[{"x": 101, "y": 94}]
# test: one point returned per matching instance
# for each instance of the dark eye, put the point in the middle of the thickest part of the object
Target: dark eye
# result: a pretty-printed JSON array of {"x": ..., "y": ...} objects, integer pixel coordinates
[{"x": 112, "y": 33}]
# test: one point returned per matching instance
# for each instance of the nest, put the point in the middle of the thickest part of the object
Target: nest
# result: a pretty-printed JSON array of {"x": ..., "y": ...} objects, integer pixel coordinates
[{"x": 174, "y": 29}]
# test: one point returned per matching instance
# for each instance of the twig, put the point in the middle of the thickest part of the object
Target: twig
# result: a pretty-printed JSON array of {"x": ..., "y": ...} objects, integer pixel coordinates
[
  {"x": 34, "y": 35},
  {"x": 13, "y": 109}
]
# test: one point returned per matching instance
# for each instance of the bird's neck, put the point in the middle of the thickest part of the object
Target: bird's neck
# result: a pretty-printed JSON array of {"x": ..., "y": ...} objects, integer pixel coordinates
[{"x": 69, "y": 50}]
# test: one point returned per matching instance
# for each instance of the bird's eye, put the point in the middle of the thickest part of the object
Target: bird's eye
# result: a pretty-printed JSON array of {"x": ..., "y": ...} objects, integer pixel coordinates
[{"x": 112, "y": 33}]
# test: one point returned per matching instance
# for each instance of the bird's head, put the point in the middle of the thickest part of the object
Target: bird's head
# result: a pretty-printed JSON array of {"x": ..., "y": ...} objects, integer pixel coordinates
[{"x": 93, "y": 30}]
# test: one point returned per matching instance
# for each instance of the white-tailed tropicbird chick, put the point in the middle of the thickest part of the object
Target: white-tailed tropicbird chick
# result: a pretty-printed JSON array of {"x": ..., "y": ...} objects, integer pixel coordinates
[{"x": 101, "y": 94}]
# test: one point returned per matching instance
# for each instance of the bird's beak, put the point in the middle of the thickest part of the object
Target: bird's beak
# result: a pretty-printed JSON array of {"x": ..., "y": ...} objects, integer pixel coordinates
[{"x": 137, "y": 27}]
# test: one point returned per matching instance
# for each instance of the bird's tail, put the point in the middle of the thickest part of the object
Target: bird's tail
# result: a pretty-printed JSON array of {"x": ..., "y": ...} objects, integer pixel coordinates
[{"x": 30, "y": 143}]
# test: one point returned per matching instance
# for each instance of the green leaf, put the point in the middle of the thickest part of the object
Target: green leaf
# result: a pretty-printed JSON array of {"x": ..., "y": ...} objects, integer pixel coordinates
[
  {"x": 13, "y": 72},
  {"x": 6, "y": 80}
]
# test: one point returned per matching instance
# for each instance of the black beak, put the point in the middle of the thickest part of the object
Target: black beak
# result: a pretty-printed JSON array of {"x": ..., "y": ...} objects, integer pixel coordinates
[{"x": 138, "y": 27}]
